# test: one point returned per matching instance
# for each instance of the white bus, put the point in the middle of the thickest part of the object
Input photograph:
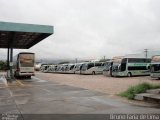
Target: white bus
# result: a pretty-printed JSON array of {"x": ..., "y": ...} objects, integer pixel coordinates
[
  {"x": 92, "y": 68},
  {"x": 155, "y": 67},
  {"x": 52, "y": 68},
  {"x": 70, "y": 68},
  {"x": 44, "y": 68},
  {"x": 107, "y": 71},
  {"x": 61, "y": 68},
  {"x": 37, "y": 66},
  {"x": 130, "y": 66},
  {"x": 23, "y": 64},
  {"x": 78, "y": 68}
]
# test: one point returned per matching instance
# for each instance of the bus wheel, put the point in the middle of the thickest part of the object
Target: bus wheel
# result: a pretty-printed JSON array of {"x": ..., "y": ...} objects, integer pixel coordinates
[
  {"x": 93, "y": 73},
  {"x": 129, "y": 74}
]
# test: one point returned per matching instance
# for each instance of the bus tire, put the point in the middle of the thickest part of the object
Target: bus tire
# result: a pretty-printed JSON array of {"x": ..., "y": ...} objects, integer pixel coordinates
[
  {"x": 93, "y": 73},
  {"x": 129, "y": 74}
]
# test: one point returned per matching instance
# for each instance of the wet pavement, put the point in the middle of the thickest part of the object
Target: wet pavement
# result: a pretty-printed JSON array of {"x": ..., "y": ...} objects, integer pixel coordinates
[{"x": 37, "y": 96}]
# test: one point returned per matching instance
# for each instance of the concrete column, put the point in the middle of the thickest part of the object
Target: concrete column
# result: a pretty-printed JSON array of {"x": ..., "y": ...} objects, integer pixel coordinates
[
  {"x": 11, "y": 64},
  {"x": 8, "y": 68},
  {"x": 8, "y": 54}
]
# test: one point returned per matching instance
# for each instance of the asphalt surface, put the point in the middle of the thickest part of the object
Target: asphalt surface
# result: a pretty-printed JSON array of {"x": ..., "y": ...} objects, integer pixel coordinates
[{"x": 37, "y": 96}]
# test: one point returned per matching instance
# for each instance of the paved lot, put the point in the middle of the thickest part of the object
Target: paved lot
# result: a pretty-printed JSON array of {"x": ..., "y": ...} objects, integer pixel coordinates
[
  {"x": 108, "y": 85},
  {"x": 43, "y": 96}
]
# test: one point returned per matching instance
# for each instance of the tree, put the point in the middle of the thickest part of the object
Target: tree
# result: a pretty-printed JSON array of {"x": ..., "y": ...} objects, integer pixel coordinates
[
  {"x": 103, "y": 60},
  {"x": 3, "y": 65},
  {"x": 64, "y": 62}
]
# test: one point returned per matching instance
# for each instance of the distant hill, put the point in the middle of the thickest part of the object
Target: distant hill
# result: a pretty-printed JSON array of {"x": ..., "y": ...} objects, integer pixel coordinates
[{"x": 56, "y": 61}]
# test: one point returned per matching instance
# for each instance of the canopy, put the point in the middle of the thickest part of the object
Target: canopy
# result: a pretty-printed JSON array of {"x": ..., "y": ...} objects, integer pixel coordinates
[{"x": 22, "y": 36}]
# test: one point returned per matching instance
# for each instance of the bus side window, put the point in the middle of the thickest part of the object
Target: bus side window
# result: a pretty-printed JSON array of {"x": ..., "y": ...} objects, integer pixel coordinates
[
  {"x": 72, "y": 67},
  {"x": 98, "y": 64},
  {"x": 90, "y": 65}
]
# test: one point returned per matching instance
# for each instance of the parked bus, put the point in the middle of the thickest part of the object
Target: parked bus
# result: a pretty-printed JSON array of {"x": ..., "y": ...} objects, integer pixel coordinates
[
  {"x": 70, "y": 68},
  {"x": 64, "y": 68},
  {"x": 37, "y": 66},
  {"x": 78, "y": 68},
  {"x": 92, "y": 68},
  {"x": 44, "y": 68},
  {"x": 23, "y": 64},
  {"x": 155, "y": 67},
  {"x": 58, "y": 69},
  {"x": 61, "y": 68},
  {"x": 107, "y": 71},
  {"x": 52, "y": 68},
  {"x": 131, "y": 66}
]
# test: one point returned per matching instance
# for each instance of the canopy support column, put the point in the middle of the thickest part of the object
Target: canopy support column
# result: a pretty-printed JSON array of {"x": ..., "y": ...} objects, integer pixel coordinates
[
  {"x": 10, "y": 75},
  {"x": 8, "y": 55},
  {"x": 11, "y": 64},
  {"x": 8, "y": 59}
]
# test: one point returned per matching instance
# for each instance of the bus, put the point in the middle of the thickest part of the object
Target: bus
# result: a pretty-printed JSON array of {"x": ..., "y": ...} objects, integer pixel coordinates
[
  {"x": 37, "y": 66},
  {"x": 61, "y": 68},
  {"x": 52, "y": 68},
  {"x": 131, "y": 66},
  {"x": 70, "y": 68},
  {"x": 23, "y": 64},
  {"x": 92, "y": 68},
  {"x": 78, "y": 68},
  {"x": 107, "y": 71},
  {"x": 155, "y": 67}
]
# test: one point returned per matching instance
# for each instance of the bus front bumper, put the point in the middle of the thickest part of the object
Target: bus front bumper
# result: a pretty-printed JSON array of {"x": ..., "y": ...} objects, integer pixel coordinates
[
  {"x": 26, "y": 74},
  {"x": 155, "y": 75},
  {"x": 118, "y": 74}
]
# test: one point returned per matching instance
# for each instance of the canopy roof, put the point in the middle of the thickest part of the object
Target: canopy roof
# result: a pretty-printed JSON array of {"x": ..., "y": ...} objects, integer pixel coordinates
[{"x": 22, "y": 36}]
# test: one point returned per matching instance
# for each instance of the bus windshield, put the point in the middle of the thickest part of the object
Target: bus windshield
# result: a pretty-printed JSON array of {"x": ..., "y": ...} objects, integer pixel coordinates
[
  {"x": 107, "y": 65},
  {"x": 84, "y": 67},
  {"x": 26, "y": 60},
  {"x": 155, "y": 67},
  {"x": 71, "y": 67}
]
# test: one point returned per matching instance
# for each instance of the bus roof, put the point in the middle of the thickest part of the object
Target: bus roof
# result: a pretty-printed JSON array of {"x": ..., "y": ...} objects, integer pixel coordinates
[{"x": 155, "y": 58}]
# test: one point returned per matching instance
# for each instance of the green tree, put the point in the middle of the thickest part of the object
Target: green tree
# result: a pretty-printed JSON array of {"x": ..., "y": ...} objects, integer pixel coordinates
[
  {"x": 64, "y": 62},
  {"x": 103, "y": 60},
  {"x": 3, "y": 65}
]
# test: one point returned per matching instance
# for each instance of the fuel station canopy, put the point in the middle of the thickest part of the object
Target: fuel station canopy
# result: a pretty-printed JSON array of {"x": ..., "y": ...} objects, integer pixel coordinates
[{"x": 22, "y": 36}]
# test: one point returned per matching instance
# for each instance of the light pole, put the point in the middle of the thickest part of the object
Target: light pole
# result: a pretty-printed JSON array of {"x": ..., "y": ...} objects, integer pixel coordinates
[
  {"x": 76, "y": 60},
  {"x": 146, "y": 52}
]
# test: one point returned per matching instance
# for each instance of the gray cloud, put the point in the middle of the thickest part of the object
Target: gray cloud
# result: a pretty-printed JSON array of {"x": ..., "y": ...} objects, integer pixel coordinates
[{"x": 88, "y": 29}]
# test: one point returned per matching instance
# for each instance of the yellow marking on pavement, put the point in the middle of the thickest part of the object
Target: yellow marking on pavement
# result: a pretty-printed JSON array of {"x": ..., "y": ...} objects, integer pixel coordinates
[{"x": 20, "y": 83}]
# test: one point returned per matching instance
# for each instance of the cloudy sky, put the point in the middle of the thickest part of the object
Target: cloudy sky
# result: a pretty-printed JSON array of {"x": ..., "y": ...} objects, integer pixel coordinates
[{"x": 88, "y": 29}]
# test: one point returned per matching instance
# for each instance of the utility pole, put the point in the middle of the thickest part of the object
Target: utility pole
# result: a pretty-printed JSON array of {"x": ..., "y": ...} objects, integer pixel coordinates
[
  {"x": 104, "y": 57},
  {"x": 146, "y": 52},
  {"x": 76, "y": 60}
]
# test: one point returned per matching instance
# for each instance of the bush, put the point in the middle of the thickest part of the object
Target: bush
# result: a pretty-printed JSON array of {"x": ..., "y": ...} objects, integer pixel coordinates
[{"x": 140, "y": 88}]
